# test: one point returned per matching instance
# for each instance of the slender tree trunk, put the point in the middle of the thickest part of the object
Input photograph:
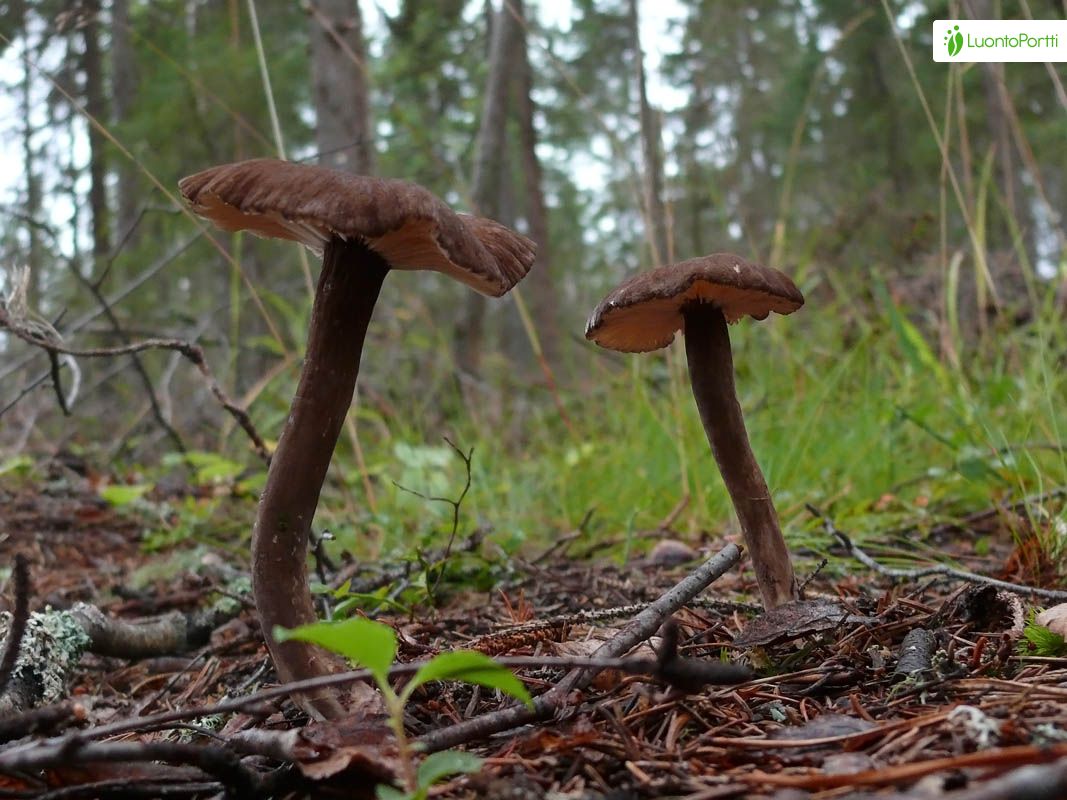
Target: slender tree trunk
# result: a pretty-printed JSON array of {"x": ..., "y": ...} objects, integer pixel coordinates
[
  {"x": 542, "y": 288},
  {"x": 488, "y": 172},
  {"x": 997, "y": 116},
  {"x": 124, "y": 94},
  {"x": 896, "y": 163},
  {"x": 655, "y": 214},
  {"x": 96, "y": 105},
  {"x": 343, "y": 130},
  {"x": 1000, "y": 134},
  {"x": 34, "y": 255}
]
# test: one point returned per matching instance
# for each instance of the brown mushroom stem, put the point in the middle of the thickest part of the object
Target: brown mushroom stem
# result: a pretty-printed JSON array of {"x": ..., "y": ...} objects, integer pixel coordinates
[
  {"x": 711, "y": 371},
  {"x": 348, "y": 287}
]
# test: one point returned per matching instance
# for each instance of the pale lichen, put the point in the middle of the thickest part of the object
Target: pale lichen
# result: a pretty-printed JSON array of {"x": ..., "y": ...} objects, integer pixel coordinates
[{"x": 51, "y": 648}]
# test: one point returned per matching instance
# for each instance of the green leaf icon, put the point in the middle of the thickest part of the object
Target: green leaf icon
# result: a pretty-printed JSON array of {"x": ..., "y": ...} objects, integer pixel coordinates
[{"x": 954, "y": 41}]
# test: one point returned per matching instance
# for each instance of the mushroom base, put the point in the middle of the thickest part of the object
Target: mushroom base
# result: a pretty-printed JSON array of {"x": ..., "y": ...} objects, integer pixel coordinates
[
  {"x": 348, "y": 287},
  {"x": 711, "y": 370}
]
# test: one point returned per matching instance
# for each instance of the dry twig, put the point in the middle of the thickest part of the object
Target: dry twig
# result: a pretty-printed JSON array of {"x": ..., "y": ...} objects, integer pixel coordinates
[
  {"x": 643, "y": 625},
  {"x": 938, "y": 569},
  {"x": 48, "y": 341}
]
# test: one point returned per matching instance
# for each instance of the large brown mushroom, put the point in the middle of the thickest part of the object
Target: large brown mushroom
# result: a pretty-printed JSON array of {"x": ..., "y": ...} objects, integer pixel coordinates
[
  {"x": 364, "y": 228},
  {"x": 700, "y": 297}
]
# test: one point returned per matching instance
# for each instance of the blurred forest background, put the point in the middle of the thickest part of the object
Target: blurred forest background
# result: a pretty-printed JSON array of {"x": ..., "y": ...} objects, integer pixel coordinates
[{"x": 918, "y": 205}]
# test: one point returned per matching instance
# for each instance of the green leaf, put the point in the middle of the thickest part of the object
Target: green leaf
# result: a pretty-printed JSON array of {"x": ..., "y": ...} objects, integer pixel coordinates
[
  {"x": 211, "y": 467},
  {"x": 252, "y": 485},
  {"x": 975, "y": 469},
  {"x": 118, "y": 495},
  {"x": 470, "y": 667},
  {"x": 448, "y": 762},
  {"x": 914, "y": 346},
  {"x": 16, "y": 464},
  {"x": 357, "y": 600},
  {"x": 363, "y": 642},
  {"x": 268, "y": 343}
]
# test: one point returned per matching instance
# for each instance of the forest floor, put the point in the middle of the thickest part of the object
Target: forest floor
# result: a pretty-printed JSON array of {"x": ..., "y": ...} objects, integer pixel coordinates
[{"x": 836, "y": 710}]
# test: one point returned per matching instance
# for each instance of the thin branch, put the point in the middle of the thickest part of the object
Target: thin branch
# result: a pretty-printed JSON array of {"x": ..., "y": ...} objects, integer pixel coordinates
[
  {"x": 466, "y": 457},
  {"x": 75, "y": 325},
  {"x": 46, "y": 719},
  {"x": 46, "y": 339},
  {"x": 669, "y": 671},
  {"x": 640, "y": 628},
  {"x": 607, "y": 657},
  {"x": 57, "y": 385},
  {"x": 25, "y": 391},
  {"x": 219, "y": 762},
  {"x": 921, "y": 572},
  {"x": 138, "y": 364}
]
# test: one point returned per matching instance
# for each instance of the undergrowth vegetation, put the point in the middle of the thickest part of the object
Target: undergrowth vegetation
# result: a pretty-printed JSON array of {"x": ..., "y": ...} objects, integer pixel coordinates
[
  {"x": 894, "y": 399},
  {"x": 854, "y": 414},
  {"x": 850, "y": 407}
]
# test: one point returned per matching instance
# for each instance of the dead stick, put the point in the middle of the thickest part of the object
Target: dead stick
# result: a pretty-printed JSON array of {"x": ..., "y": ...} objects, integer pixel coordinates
[
  {"x": 256, "y": 703},
  {"x": 640, "y": 628},
  {"x": 939, "y": 569},
  {"x": 644, "y": 625},
  {"x": 215, "y": 760}
]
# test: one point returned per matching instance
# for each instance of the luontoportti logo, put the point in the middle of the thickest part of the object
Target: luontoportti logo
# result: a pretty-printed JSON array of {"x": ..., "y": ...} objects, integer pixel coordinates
[
  {"x": 954, "y": 41},
  {"x": 999, "y": 40}
]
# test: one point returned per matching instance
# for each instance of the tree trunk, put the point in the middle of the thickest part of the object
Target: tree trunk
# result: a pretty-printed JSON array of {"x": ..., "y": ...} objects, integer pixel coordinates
[
  {"x": 895, "y": 155},
  {"x": 124, "y": 93},
  {"x": 343, "y": 130},
  {"x": 34, "y": 254},
  {"x": 655, "y": 214},
  {"x": 543, "y": 297},
  {"x": 96, "y": 106},
  {"x": 488, "y": 172},
  {"x": 997, "y": 116}
]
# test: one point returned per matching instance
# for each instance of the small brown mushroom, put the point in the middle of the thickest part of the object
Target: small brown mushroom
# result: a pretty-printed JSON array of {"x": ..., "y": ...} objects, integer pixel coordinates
[
  {"x": 364, "y": 228},
  {"x": 700, "y": 297}
]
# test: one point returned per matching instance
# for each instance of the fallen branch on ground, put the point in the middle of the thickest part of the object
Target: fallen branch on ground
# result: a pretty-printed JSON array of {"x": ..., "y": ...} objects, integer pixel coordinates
[
  {"x": 214, "y": 760},
  {"x": 668, "y": 670},
  {"x": 642, "y": 627},
  {"x": 55, "y": 641},
  {"x": 922, "y": 572}
]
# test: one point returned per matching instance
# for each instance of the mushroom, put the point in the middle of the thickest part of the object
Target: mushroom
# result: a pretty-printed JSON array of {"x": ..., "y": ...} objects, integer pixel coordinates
[
  {"x": 364, "y": 227},
  {"x": 700, "y": 297}
]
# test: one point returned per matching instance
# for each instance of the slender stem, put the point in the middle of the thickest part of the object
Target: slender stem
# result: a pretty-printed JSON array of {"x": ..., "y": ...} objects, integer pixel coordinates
[
  {"x": 394, "y": 706},
  {"x": 711, "y": 370},
  {"x": 348, "y": 287}
]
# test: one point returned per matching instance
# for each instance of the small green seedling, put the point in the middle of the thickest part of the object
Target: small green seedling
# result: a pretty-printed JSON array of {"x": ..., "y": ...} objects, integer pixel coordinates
[
  {"x": 372, "y": 645},
  {"x": 1037, "y": 640}
]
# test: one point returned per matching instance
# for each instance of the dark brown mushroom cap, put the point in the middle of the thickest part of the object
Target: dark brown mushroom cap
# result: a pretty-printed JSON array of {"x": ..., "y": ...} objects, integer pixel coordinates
[
  {"x": 645, "y": 311},
  {"x": 406, "y": 224}
]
